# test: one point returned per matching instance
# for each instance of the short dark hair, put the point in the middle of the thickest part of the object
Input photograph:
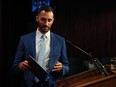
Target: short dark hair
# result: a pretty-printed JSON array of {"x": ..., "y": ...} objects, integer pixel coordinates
[{"x": 45, "y": 8}]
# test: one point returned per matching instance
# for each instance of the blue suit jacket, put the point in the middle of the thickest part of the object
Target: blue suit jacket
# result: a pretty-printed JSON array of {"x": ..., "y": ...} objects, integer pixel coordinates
[{"x": 27, "y": 47}]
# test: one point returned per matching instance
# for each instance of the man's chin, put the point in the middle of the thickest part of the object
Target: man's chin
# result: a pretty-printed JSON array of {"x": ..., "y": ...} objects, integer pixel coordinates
[{"x": 46, "y": 29}]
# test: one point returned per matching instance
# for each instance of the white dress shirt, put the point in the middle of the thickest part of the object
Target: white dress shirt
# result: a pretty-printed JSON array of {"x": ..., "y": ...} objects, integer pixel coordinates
[{"x": 47, "y": 50}]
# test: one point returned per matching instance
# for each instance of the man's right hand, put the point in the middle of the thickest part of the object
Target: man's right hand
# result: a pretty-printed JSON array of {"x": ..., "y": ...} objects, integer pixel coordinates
[{"x": 23, "y": 65}]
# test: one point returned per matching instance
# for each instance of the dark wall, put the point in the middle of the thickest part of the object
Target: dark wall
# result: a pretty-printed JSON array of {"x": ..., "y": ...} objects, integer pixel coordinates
[
  {"x": 0, "y": 42},
  {"x": 16, "y": 15},
  {"x": 89, "y": 24}
]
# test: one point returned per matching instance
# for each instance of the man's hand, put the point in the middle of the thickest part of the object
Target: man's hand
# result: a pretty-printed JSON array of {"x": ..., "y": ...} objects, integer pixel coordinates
[
  {"x": 57, "y": 67},
  {"x": 23, "y": 65}
]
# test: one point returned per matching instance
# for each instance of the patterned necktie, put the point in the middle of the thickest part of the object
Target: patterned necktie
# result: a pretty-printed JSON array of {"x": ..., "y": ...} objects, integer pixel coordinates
[{"x": 41, "y": 53}]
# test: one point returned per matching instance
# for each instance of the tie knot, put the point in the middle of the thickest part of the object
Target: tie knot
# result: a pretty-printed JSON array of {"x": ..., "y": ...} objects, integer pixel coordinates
[{"x": 44, "y": 37}]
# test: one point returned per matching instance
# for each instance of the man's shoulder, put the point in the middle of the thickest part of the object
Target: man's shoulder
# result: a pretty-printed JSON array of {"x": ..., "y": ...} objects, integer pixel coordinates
[
  {"x": 29, "y": 34},
  {"x": 57, "y": 35}
]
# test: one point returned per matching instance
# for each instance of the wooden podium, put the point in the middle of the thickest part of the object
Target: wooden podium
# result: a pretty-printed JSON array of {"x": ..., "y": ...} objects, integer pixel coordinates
[{"x": 90, "y": 78}]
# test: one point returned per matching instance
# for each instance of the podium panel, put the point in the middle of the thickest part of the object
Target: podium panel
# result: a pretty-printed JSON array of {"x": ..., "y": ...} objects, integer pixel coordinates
[{"x": 90, "y": 78}]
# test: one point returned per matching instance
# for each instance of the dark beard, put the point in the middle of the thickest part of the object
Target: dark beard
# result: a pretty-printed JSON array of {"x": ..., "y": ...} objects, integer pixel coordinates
[{"x": 43, "y": 29}]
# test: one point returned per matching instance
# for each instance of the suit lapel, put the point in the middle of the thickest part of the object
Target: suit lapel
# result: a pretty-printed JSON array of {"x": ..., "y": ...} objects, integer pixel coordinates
[
  {"x": 53, "y": 59},
  {"x": 33, "y": 44}
]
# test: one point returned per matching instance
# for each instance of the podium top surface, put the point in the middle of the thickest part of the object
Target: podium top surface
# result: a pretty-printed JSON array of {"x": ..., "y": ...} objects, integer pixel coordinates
[{"x": 87, "y": 78}]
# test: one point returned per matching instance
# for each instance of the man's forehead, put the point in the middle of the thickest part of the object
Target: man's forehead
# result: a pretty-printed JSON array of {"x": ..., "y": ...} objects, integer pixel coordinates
[{"x": 44, "y": 13}]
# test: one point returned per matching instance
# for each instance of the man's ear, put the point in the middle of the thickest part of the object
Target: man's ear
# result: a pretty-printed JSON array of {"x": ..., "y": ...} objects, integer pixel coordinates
[{"x": 36, "y": 18}]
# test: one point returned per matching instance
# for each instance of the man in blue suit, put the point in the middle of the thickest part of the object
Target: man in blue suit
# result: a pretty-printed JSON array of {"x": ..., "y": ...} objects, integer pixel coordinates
[{"x": 55, "y": 52}]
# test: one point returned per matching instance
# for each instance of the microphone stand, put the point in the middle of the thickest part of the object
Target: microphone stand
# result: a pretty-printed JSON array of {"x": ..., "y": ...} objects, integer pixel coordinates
[{"x": 97, "y": 63}]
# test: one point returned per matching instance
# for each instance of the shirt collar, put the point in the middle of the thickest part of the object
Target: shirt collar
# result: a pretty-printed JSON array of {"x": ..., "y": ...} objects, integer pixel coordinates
[{"x": 39, "y": 34}]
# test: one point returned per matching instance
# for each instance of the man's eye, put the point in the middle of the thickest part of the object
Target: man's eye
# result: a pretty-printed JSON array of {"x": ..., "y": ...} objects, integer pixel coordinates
[
  {"x": 49, "y": 20},
  {"x": 43, "y": 19}
]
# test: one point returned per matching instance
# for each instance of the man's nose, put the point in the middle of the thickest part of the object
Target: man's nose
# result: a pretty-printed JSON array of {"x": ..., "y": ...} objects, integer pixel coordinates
[{"x": 46, "y": 22}]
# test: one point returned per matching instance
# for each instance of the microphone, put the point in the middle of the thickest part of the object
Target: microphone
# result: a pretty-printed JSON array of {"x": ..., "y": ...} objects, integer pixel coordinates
[{"x": 98, "y": 64}]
